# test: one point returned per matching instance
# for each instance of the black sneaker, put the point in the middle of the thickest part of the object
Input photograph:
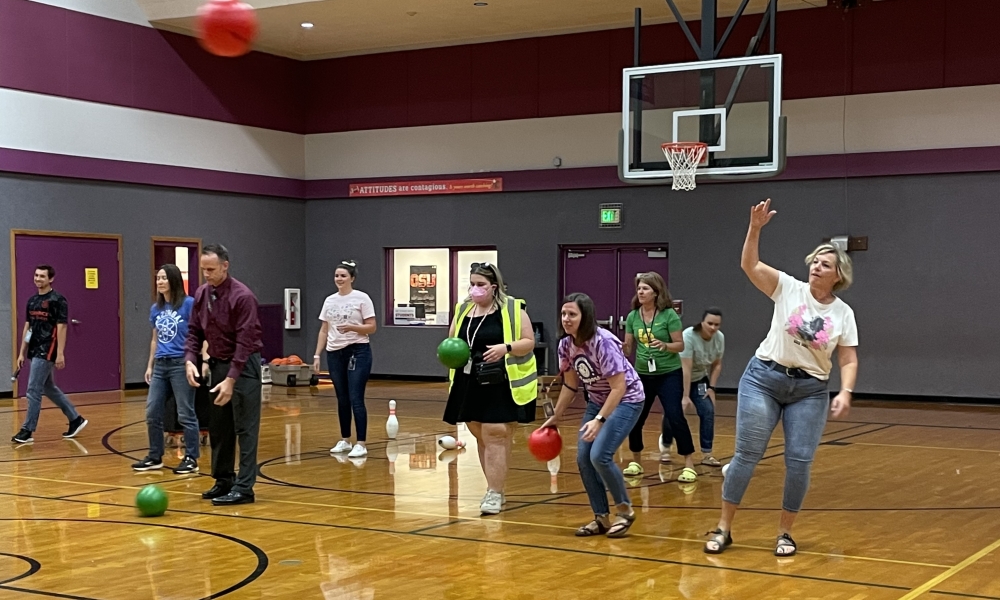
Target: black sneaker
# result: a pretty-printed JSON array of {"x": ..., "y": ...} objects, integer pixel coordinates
[
  {"x": 188, "y": 465},
  {"x": 147, "y": 464},
  {"x": 22, "y": 437},
  {"x": 75, "y": 427}
]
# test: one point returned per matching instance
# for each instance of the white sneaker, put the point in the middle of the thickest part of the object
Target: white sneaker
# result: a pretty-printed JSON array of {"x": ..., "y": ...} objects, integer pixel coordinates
[
  {"x": 491, "y": 504},
  {"x": 342, "y": 446},
  {"x": 358, "y": 451}
]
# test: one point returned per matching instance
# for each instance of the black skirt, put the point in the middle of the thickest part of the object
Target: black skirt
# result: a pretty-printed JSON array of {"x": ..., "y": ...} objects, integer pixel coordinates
[{"x": 471, "y": 402}]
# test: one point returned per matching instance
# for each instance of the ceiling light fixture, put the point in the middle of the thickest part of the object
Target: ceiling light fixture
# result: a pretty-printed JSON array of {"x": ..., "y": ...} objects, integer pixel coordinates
[
  {"x": 307, "y": 25},
  {"x": 480, "y": 3}
]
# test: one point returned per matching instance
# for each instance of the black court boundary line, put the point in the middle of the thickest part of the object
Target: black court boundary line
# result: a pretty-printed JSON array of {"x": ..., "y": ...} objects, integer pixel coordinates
[
  {"x": 33, "y": 567},
  {"x": 41, "y": 593},
  {"x": 475, "y": 540},
  {"x": 122, "y": 401},
  {"x": 668, "y": 481},
  {"x": 262, "y": 559}
]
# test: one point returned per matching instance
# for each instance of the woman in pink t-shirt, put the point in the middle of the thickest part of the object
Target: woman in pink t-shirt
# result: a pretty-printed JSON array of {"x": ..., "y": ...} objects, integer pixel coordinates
[{"x": 593, "y": 357}]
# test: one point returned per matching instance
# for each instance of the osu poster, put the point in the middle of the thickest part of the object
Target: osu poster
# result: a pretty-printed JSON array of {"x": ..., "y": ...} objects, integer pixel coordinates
[{"x": 423, "y": 287}]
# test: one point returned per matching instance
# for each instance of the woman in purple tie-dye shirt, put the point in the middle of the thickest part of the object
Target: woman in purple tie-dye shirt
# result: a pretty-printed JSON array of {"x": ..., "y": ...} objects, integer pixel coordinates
[{"x": 593, "y": 356}]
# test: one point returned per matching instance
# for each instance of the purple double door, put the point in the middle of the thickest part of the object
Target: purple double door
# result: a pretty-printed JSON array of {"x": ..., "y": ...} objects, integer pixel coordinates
[
  {"x": 93, "y": 341},
  {"x": 607, "y": 274}
]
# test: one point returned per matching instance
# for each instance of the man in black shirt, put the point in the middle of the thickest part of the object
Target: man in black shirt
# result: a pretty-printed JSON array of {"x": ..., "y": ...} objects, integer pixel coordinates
[{"x": 44, "y": 342}]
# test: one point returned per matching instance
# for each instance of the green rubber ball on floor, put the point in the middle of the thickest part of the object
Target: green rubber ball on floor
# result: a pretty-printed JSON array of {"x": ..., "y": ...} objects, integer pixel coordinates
[{"x": 151, "y": 501}]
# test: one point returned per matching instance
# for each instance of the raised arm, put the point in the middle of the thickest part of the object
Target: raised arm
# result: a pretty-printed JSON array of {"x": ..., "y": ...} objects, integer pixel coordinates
[{"x": 764, "y": 277}]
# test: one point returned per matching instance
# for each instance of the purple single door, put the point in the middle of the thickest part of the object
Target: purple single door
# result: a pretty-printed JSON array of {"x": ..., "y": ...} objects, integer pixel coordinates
[
  {"x": 631, "y": 262},
  {"x": 594, "y": 271},
  {"x": 93, "y": 341}
]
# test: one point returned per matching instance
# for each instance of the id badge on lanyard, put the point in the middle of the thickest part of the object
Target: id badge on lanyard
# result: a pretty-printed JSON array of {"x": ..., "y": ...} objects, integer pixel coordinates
[
  {"x": 468, "y": 368},
  {"x": 651, "y": 363},
  {"x": 702, "y": 389}
]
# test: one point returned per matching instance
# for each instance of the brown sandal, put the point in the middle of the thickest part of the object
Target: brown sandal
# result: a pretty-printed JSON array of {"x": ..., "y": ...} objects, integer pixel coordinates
[
  {"x": 620, "y": 529},
  {"x": 589, "y": 530}
]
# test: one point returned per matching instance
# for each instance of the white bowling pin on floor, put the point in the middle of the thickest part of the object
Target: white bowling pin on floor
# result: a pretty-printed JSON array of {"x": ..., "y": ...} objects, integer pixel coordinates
[{"x": 392, "y": 425}]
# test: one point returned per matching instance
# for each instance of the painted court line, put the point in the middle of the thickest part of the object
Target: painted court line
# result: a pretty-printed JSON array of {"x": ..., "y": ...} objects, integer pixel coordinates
[
  {"x": 479, "y": 519},
  {"x": 932, "y": 583}
]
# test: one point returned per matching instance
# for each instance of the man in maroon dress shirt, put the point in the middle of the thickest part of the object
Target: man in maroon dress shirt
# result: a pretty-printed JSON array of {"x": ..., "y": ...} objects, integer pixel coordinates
[{"x": 225, "y": 314}]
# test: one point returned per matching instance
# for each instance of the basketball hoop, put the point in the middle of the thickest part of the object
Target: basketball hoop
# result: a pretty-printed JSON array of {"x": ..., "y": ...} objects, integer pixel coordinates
[{"x": 684, "y": 158}]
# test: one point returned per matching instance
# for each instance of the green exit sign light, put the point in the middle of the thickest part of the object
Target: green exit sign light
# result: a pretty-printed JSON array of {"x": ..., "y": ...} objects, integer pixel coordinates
[{"x": 611, "y": 216}]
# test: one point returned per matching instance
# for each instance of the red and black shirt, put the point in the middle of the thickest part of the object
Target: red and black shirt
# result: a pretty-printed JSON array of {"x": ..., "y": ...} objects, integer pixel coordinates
[{"x": 45, "y": 312}]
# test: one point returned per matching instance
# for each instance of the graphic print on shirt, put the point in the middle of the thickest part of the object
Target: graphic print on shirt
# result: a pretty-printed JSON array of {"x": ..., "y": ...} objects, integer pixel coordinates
[
  {"x": 586, "y": 370},
  {"x": 644, "y": 337},
  {"x": 809, "y": 331},
  {"x": 339, "y": 314},
  {"x": 167, "y": 325}
]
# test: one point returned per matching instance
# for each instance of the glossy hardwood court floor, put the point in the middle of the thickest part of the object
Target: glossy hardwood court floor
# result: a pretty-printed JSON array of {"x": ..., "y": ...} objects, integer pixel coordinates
[{"x": 905, "y": 503}]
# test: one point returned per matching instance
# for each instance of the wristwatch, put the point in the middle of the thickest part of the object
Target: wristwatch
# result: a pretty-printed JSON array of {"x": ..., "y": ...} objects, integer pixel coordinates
[
  {"x": 711, "y": 387},
  {"x": 509, "y": 348},
  {"x": 600, "y": 419}
]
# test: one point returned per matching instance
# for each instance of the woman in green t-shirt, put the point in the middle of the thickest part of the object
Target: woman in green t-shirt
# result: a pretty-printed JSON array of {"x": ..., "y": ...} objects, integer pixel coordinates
[{"x": 653, "y": 330}]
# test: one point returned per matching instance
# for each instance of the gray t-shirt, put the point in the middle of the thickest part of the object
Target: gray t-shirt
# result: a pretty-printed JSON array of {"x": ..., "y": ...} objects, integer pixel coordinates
[{"x": 702, "y": 353}]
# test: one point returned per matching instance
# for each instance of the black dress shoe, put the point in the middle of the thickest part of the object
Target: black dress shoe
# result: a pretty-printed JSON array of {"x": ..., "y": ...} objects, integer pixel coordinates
[
  {"x": 233, "y": 498},
  {"x": 216, "y": 491}
]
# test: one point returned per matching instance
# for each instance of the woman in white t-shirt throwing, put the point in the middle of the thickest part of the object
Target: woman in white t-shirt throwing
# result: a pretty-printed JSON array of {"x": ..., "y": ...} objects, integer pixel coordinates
[
  {"x": 787, "y": 378},
  {"x": 348, "y": 319}
]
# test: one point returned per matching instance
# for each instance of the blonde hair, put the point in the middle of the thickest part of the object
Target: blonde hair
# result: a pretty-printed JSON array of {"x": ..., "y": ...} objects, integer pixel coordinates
[
  {"x": 492, "y": 274},
  {"x": 845, "y": 268},
  {"x": 655, "y": 281}
]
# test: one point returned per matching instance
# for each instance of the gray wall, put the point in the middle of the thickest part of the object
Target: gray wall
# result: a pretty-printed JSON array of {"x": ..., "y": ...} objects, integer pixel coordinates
[
  {"x": 263, "y": 235},
  {"x": 924, "y": 294}
]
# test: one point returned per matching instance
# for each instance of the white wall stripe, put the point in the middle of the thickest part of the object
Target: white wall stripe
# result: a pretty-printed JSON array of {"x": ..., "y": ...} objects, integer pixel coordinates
[
  {"x": 56, "y": 125},
  {"x": 912, "y": 120}
]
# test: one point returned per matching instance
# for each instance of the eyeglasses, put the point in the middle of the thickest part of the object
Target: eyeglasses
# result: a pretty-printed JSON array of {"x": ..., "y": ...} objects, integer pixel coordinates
[{"x": 349, "y": 263}]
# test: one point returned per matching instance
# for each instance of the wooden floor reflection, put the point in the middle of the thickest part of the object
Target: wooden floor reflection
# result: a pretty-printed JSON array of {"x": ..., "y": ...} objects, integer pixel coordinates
[{"x": 905, "y": 503}]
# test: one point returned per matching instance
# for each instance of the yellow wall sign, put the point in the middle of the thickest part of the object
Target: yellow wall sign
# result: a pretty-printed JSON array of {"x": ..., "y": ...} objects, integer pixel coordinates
[{"x": 90, "y": 275}]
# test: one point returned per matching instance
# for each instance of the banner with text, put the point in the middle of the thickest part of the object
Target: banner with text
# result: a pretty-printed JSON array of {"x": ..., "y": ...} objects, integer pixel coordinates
[{"x": 422, "y": 188}]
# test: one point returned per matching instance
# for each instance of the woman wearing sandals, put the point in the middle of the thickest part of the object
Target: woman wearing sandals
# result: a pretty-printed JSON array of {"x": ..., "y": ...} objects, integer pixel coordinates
[
  {"x": 701, "y": 361},
  {"x": 657, "y": 329},
  {"x": 594, "y": 356},
  {"x": 348, "y": 319},
  {"x": 787, "y": 379}
]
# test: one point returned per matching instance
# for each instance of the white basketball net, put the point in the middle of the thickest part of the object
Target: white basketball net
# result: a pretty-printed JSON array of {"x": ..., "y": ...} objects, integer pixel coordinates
[{"x": 684, "y": 158}]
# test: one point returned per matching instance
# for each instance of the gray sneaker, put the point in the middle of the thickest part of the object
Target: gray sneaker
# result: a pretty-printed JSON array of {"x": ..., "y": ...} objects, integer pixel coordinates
[{"x": 491, "y": 504}]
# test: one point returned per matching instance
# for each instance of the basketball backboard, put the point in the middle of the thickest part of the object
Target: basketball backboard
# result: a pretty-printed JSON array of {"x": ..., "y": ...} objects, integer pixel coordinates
[{"x": 733, "y": 105}]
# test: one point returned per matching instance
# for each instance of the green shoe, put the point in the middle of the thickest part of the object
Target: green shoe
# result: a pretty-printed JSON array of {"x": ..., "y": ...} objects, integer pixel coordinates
[{"x": 632, "y": 469}]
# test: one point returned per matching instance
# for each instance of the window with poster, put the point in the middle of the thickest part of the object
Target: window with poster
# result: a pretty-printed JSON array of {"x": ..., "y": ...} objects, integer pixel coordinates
[{"x": 426, "y": 283}]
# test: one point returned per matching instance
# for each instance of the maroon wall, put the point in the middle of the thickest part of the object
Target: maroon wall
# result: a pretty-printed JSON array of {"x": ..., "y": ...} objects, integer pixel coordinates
[{"x": 886, "y": 46}]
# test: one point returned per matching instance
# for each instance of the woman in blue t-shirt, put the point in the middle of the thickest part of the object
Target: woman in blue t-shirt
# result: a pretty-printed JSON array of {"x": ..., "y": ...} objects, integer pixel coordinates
[{"x": 165, "y": 371}]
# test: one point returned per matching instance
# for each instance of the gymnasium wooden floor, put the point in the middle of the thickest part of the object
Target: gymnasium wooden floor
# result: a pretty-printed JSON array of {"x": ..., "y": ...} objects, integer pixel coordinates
[{"x": 905, "y": 503}]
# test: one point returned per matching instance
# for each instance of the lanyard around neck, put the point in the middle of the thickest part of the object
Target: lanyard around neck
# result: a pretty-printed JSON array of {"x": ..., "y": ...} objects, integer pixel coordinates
[
  {"x": 648, "y": 330},
  {"x": 473, "y": 316}
]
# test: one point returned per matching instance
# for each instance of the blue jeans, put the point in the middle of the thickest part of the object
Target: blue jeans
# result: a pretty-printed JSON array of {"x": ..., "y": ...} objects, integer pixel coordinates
[
  {"x": 706, "y": 415},
  {"x": 349, "y": 369},
  {"x": 169, "y": 375},
  {"x": 40, "y": 381},
  {"x": 596, "y": 459},
  {"x": 764, "y": 396}
]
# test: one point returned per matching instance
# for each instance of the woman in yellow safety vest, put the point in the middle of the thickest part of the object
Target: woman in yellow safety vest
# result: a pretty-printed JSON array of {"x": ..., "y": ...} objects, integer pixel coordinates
[{"x": 500, "y": 377}]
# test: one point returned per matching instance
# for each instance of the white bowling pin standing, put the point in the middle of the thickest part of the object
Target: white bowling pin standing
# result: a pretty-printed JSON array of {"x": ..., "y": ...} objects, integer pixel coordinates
[{"x": 392, "y": 425}]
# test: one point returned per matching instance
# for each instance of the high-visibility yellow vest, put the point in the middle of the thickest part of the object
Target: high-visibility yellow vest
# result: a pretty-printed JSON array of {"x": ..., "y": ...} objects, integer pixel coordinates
[{"x": 522, "y": 371}]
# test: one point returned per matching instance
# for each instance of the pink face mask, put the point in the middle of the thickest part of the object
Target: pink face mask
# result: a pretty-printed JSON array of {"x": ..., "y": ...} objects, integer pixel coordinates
[{"x": 479, "y": 293}]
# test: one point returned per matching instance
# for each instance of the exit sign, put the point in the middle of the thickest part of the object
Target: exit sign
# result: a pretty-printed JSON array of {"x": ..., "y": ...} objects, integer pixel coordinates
[{"x": 611, "y": 216}]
